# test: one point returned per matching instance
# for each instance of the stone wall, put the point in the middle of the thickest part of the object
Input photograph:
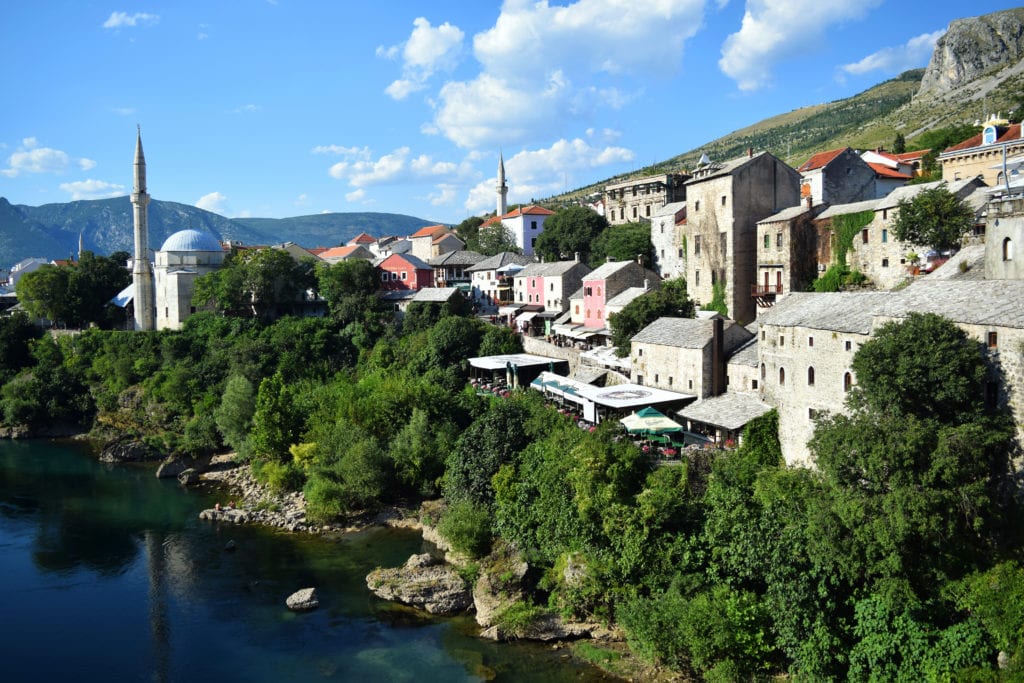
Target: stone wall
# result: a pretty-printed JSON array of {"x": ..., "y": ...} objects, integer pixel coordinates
[
  {"x": 687, "y": 371},
  {"x": 1005, "y": 222},
  {"x": 539, "y": 347}
]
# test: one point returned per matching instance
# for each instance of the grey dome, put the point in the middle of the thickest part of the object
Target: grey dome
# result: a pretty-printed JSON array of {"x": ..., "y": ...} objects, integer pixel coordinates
[{"x": 191, "y": 240}]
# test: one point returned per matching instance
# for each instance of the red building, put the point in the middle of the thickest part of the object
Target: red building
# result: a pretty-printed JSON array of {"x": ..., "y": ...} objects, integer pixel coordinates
[{"x": 404, "y": 271}]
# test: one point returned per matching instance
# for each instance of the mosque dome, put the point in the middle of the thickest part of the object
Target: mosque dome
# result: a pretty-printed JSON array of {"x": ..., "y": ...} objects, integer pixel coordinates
[{"x": 191, "y": 240}]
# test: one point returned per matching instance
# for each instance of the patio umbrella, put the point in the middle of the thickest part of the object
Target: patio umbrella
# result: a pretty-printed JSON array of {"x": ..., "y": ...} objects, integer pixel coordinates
[{"x": 650, "y": 421}]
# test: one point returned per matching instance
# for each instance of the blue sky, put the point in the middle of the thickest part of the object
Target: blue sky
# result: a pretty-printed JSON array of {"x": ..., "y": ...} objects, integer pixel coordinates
[{"x": 279, "y": 108}]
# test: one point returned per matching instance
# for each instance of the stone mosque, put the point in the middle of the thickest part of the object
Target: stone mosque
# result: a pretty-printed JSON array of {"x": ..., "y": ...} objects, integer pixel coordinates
[{"x": 162, "y": 288}]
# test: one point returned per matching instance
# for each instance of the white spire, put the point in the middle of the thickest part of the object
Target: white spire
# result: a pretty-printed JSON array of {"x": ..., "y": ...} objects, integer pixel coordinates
[
  {"x": 502, "y": 187},
  {"x": 144, "y": 295}
]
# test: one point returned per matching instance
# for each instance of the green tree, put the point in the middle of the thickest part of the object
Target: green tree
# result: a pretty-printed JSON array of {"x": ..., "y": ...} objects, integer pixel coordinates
[
  {"x": 496, "y": 238},
  {"x": 671, "y": 299},
  {"x": 16, "y": 331},
  {"x": 934, "y": 217},
  {"x": 276, "y": 422},
  {"x": 570, "y": 231},
  {"x": 469, "y": 230},
  {"x": 44, "y": 293},
  {"x": 234, "y": 415},
  {"x": 899, "y": 144},
  {"x": 349, "y": 288},
  {"x": 623, "y": 243},
  {"x": 93, "y": 282}
]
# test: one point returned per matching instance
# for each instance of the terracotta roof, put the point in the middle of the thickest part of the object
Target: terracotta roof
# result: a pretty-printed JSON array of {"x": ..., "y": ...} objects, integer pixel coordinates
[
  {"x": 429, "y": 231},
  {"x": 490, "y": 221},
  {"x": 911, "y": 156},
  {"x": 821, "y": 159},
  {"x": 1012, "y": 132},
  {"x": 316, "y": 251},
  {"x": 339, "y": 252},
  {"x": 442, "y": 237},
  {"x": 886, "y": 172},
  {"x": 362, "y": 238},
  {"x": 532, "y": 210}
]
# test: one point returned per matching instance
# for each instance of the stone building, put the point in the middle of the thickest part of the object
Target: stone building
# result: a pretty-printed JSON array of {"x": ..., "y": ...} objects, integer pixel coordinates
[
  {"x": 549, "y": 284},
  {"x": 636, "y": 199},
  {"x": 838, "y": 176},
  {"x": 807, "y": 342},
  {"x": 607, "y": 281},
  {"x": 1004, "y": 240},
  {"x": 185, "y": 256},
  {"x": 982, "y": 155},
  {"x": 741, "y": 371},
  {"x": 686, "y": 354},
  {"x": 724, "y": 203},
  {"x": 667, "y": 224},
  {"x": 787, "y": 252}
]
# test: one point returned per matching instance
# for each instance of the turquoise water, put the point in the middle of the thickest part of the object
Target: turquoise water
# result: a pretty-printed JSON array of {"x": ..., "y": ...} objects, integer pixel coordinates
[{"x": 107, "y": 574}]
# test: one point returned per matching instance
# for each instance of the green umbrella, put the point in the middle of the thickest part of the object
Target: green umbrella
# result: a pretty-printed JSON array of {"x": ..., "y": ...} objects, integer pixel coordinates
[{"x": 650, "y": 421}]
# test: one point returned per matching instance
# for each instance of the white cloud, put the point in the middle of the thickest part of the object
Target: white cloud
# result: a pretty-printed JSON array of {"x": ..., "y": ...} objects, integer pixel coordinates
[
  {"x": 120, "y": 19},
  {"x": 914, "y": 53},
  {"x": 361, "y": 152},
  {"x": 774, "y": 30},
  {"x": 92, "y": 189},
  {"x": 355, "y": 195},
  {"x": 215, "y": 202},
  {"x": 34, "y": 159},
  {"x": 246, "y": 108},
  {"x": 86, "y": 164},
  {"x": 428, "y": 50},
  {"x": 302, "y": 200},
  {"x": 397, "y": 167},
  {"x": 445, "y": 194},
  {"x": 540, "y": 172},
  {"x": 540, "y": 62}
]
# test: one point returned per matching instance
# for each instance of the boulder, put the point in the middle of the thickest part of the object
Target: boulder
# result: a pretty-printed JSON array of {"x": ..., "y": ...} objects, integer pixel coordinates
[
  {"x": 188, "y": 477},
  {"x": 302, "y": 600},
  {"x": 423, "y": 582},
  {"x": 171, "y": 467},
  {"x": 498, "y": 586},
  {"x": 126, "y": 450},
  {"x": 547, "y": 628}
]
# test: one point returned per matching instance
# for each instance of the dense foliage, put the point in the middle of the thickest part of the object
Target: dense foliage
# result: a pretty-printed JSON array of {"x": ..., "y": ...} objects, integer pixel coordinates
[
  {"x": 897, "y": 559},
  {"x": 570, "y": 231},
  {"x": 671, "y": 299},
  {"x": 77, "y": 294},
  {"x": 934, "y": 218}
]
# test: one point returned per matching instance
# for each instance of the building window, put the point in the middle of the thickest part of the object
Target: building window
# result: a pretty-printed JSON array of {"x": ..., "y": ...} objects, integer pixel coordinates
[
  {"x": 689, "y": 384},
  {"x": 810, "y": 341},
  {"x": 864, "y": 235},
  {"x": 1007, "y": 249},
  {"x": 588, "y": 313},
  {"x": 847, "y": 381},
  {"x": 993, "y": 340},
  {"x": 782, "y": 340},
  {"x": 810, "y": 376},
  {"x": 533, "y": 283},
  {"x": 885, "y": 263},
  {"x": 404, "y": 275},
  {"x": 394, "y": 275},
  {"x": 696, "y": 205},
  {"x": 763, "y": 335},
  {"x": 622, "y": 214},
  {"x": 639, "y": 352},
  {"x": 849, "y": 345},
  {"x": 723, "y": 200},
  {"x": 696, "y": 278},
  {"x": 670, "y": 381},
  {"x": 662, "y": 253},
  {"x": 680, "y": 253},
  {"x": 577, "y": 309},
  {"x": 778, "y": 239},
  {"x": 811, "y": 413},
  {"x": 885, "y": 235},
  {"x": 767, "y": 240},
  {"x": 648, "y": 210},
  {"x": 552, "y": 287},
  {"x": 696, "y": 245},
  {"x": 753, "y": 384},
  {"x": 639, "y": 379},
  {"x": 384, "y": 277},
  {"x": 763, "y": 371},
  {"x": 634, "y": 212},
  {"x": 599, "y": 290},
  {"x": 533, "y": 225},
  {"x": 714, "y": 277},
  {"x": 533, "y": 242},
  {"x": 782, "y": 377},
  {"x": 655, "y": 379},
  {"x": 587, "y": 291},
  {"x": 600, "y": 314}
]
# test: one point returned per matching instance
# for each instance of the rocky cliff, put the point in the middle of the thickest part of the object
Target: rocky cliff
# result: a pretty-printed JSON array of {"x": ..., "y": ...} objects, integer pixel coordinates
[{"x": 972, "y": 47}]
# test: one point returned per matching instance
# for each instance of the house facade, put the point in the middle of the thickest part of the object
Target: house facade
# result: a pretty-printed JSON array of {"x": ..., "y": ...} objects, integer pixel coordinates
[
  {"x": 404, "y": 272},
  {"x": 982, "y": 155},
  {"x": 787, "y": 252},
  {"x": 685, "y": 354},
  {"x": 493, "y": 279},
  {"x": 608, "y": 280},
  {"x": 724, "y": 203},
  {"x": 838, "y": 176},
  {"x": 549, "y": 284},
  {"x": 526, "y": 224},
  {"x": 667, "y": 224},
  {"x": 636, "y": 199},
  {"x": 451, "y": 269}
]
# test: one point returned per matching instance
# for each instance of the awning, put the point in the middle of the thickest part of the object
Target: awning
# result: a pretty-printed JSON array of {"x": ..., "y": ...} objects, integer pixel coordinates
[
  {"x": 505, "y": 310},
  {"x": 526, "y": 317}
]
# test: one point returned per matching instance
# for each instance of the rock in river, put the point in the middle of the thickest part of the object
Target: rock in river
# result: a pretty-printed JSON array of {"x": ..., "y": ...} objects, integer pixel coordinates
[
  {"x": 423, "y": 582},
  {"x": 304, "y": 599}
]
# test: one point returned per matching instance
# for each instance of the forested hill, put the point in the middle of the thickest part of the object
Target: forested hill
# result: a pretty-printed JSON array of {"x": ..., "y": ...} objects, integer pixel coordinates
[{"x": 51, "y": 231}]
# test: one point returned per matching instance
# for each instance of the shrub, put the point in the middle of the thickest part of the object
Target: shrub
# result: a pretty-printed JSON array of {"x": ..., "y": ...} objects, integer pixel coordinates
[
  {"x": 323, "y": 499},
  {"x": 516, "y": 619},
  {"x": 468, "y": 528},
  {"x": 279, "y": 476}
]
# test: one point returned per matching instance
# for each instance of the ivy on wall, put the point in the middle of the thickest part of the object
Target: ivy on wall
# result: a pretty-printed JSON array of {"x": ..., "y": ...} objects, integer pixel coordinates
[{"x": 846, "y": 228}]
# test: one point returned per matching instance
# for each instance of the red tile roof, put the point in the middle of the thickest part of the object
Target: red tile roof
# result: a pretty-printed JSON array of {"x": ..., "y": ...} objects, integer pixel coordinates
[
  {"x": 429, "y": 231},
  {"x": 362, "y": 238},
  {"x": 339, "y": 252},
  {"x": 316, "y": 251},
  {"x": 1012, "y": 132},
  {"x": 532, "y": 210},
  {"x": 886, "y": 172},
  {"x": 911, "y": 156},
  {"x": 821, "y": 159}
]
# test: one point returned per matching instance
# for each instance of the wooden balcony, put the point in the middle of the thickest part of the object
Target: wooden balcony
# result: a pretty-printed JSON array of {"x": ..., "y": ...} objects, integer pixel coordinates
[{"x": 764, "y": 295}]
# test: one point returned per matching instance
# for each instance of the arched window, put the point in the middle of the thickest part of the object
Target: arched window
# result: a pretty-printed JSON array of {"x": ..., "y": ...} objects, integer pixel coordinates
[
  {"x": 782, "y": 377},
  {"x": 763, "y": 371},
  {"x": 1007, "y": 249},
  {"x": 847, "y": 381},
  {"x": 810, "y": 376}
]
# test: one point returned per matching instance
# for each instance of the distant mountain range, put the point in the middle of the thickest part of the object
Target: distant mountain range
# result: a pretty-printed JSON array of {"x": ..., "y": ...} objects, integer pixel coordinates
[{"x": 51, "y": 231}]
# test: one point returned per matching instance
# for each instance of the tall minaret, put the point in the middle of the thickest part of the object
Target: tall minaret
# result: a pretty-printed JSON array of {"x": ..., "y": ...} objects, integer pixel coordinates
[
  {"x": 142, "y": 272},
  {"x": 502, "y": 187}
]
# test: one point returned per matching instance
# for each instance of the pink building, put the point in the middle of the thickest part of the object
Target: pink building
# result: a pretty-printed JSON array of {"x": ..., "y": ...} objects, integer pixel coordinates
[
  {"x": 404, "y": 271},
  {"x": 606, "y": 282}
]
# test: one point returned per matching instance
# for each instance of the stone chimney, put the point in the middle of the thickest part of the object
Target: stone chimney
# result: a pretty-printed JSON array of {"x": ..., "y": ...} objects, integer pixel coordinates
[
  {"x": 750, "y": 152},
  {"x": 718, "y": 373},
  {"x": 640, "y": 260},
  {"x": 576, "y": 256},
  {"x": 810, "y": 202},
  {"x": 647, "y": 285}
]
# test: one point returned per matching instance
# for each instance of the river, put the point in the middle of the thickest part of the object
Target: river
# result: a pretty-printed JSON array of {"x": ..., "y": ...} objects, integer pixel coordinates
[{"x": 107, "y": 574}]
